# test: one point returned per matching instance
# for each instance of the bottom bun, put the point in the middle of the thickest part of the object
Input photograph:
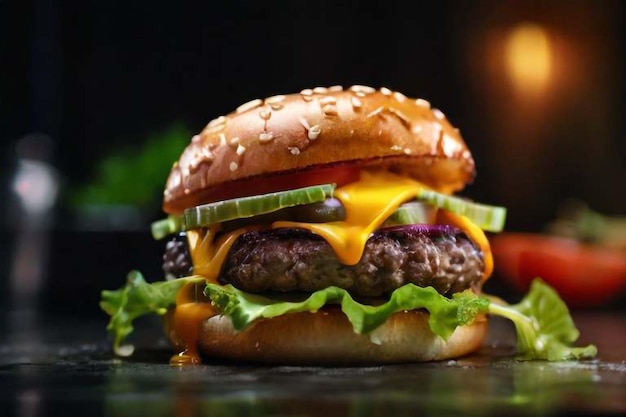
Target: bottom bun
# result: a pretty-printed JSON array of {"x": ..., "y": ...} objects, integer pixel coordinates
[{"x": 326, "y": 337}]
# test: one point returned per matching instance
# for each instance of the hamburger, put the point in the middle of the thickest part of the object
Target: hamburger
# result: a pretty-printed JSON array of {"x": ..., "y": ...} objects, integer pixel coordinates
[{"x": 322, "y": 228}]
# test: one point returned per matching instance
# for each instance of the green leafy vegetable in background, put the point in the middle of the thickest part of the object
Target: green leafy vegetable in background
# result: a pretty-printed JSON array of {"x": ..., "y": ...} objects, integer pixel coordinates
[
  {"x": 134, "y": 176},
  {"x": 544, "y": 327},
  {"x": 576, "y": 220}
]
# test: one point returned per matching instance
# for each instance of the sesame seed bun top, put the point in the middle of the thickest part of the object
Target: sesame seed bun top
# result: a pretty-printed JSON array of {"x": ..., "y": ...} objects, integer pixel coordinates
[{"x": 317, "y": 128}]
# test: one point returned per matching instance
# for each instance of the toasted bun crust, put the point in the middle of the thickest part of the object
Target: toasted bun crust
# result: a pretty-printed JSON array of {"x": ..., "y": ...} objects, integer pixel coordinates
[
  {"x": 321, "y": 127},
  {"x": 326, "y": 337}
]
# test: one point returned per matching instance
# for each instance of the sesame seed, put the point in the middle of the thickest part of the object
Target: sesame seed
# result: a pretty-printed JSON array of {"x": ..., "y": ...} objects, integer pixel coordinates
[
  {"x": 403, "y": 117},
  {"x": 196, "y": 138},
  {"x": 356, "y": 103},
  {"x": 360, "y": 94},
  {"x": 222, "y": 139},
  {"x": 252, "y": 104},
  {"x": 439, "y": 114},
  {"x": 266, "y": 136},
  {"x": 186, "y": 191},
  {"x": 363, "y": 89},
  {"x": 329, "y": 110},
  {"x": 314, "y": 132},
  {"x": 385, "y": 91},
  {"x": 417, "y": 128},
  {"x": 294, "y": 150},
  {"x": 399, "y": 96},
  {"x": 233, "y": 166},
  {"x": 306, "y": 92},
  {"x": 265, "y": 114},
  {"x": 207, "y": 154},
  {"x": 422, "y": 103},
  {"x": 375, "y": 112},
  {"x": 328, "y": 100},
  {"x": 335, "y": 88},
  {"x": 396, "y": 148},
  {"x": 275, "y": 99},
  {"x": 276, "y": 106},
  {"x": 304, "y": 123},
  {"x": 307, "y": 98},
  {"x": 320, "y": 90},
  {"x": 407, "y": 151},
  {"x": 240, "y": 149},
  {"x": 218, "y": 121},
  {"x": 234, "y": 141}
]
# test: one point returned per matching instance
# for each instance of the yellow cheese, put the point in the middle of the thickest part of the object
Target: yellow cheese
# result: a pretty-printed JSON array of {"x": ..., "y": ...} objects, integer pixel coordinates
[
  {"x": 368, "y": 203},
  {"x": 207, "y": 255}
]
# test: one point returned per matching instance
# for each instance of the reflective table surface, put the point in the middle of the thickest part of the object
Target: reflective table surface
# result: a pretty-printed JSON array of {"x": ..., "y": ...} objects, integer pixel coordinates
[{"x": 59, "y": 365}]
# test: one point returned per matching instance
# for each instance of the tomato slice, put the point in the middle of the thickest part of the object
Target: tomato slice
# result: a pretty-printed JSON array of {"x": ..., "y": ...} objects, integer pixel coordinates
[
  {"x": 583, "y": 275},
  {"x": 339, "y": 175}
]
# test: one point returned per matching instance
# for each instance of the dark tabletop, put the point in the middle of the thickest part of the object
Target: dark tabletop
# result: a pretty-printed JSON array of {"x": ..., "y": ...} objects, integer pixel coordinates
[{"x": 59, "y": 365}]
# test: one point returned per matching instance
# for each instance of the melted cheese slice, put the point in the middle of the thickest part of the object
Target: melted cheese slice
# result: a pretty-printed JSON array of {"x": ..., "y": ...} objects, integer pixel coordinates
[{"x": 368, "y": 203}]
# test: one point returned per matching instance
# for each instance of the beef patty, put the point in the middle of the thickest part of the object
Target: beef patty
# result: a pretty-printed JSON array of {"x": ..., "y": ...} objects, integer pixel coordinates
[{"x": 287, "y": 260}]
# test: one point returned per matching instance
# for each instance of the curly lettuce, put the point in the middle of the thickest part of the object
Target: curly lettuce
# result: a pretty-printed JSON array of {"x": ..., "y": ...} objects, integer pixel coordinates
[
  {"x": 545, "y": 329},
  {"x": 138, "y": 298}
]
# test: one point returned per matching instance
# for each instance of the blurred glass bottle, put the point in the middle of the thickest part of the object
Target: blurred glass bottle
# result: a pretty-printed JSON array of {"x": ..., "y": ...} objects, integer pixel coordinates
[{"x": 34, "y": 189}]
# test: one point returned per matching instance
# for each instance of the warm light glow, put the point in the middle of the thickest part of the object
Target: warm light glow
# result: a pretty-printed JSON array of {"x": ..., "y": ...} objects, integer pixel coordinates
[{"x": 529, "y": 58}]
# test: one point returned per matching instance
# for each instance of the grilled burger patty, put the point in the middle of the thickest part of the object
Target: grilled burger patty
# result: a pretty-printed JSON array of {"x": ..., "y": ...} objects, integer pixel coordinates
[{"x": 289, "y": 260}]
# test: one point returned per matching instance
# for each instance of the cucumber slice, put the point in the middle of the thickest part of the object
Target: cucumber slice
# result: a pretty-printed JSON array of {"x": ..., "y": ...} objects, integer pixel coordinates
[
  {"x": 165, "y": 227},
  {"x": 489, "y": 218},
  {"x": 238, "y": 208},
  {"x": 414, "y": 212}
]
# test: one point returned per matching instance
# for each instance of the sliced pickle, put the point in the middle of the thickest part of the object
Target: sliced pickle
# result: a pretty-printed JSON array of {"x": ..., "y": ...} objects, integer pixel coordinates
[
  {"x": 238, "y": 208},
  {"x": 414, "y": 212},
  {"x": 316, "y": 205},
  {"x": 489, "y": 218},
  {"x": 165, "y": 227}
]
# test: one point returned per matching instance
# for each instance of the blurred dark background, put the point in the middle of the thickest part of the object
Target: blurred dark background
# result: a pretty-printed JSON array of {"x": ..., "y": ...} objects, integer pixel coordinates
[{"x": 97, "y": 98}]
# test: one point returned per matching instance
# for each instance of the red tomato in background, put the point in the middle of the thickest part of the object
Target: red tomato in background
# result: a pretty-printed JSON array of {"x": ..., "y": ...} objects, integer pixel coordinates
[{"x": 583, "y": 275}]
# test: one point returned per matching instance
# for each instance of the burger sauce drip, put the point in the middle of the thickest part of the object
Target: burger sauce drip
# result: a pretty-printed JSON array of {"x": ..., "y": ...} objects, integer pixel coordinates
[{"x": 192, "y": 306}]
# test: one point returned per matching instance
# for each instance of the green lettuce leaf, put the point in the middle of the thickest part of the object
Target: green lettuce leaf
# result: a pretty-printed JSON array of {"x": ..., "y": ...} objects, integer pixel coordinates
[
  {"x": 445, "y": 314},
  {"x": 135, "y": 299},
  {"x": 545, "y": 329}
]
